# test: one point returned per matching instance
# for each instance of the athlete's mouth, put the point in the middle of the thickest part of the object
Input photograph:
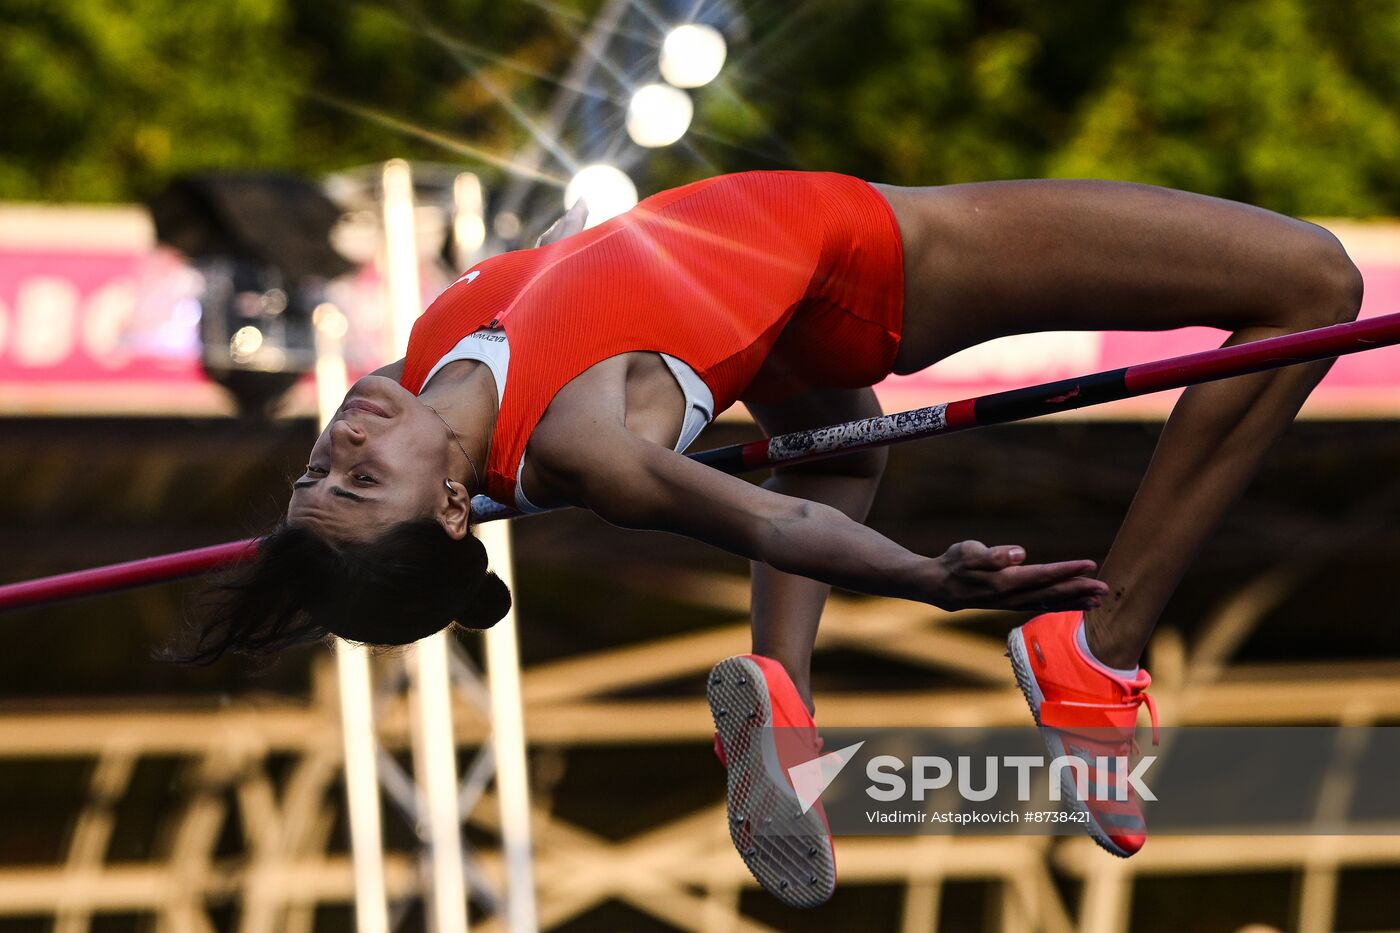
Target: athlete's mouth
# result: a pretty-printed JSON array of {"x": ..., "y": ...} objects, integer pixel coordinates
[{"x": 360, "y": 404}]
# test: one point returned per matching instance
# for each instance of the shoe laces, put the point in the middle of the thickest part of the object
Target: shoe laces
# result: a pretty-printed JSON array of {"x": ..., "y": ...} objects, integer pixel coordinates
[
  {"x": 1140, "y": 696},
  {"x": 1152, "y": 714}
]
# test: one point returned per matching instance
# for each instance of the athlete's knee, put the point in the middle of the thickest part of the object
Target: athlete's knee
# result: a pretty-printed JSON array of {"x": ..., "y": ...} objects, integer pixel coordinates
[
  {"x": 864, "y": 464},
  {"x": 1331, "y": 287},
  {"x": 860, "y": 464},
  {"x": 1345, "y": 282}
]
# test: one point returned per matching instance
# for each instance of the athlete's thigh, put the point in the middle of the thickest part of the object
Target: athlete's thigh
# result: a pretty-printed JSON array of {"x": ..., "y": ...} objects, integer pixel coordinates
[
  {"x": 818, "y": 408},
  {"x": 997, "y": 258}
]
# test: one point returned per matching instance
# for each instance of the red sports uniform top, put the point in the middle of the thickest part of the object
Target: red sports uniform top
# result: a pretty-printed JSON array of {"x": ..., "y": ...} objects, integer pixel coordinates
[{"x": 764, "y": 283}]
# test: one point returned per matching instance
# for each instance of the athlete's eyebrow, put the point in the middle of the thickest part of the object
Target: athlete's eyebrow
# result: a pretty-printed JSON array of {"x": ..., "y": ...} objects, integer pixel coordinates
[{"x": 335, "y": 491}]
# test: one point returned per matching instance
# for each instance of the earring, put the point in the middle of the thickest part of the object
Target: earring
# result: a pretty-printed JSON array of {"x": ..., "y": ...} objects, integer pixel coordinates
[{"x": 448, "y": 484}]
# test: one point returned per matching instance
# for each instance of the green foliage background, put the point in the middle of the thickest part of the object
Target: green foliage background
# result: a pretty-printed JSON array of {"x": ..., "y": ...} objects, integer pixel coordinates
[{"x": 1290, "y": 104}]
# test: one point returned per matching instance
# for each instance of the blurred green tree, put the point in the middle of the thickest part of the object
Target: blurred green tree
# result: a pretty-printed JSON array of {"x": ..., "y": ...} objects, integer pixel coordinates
[
  {"x": 1284, "y": 103},
  {"x": 1278, "y": 102},
  {"x": 106, "y": 98}
]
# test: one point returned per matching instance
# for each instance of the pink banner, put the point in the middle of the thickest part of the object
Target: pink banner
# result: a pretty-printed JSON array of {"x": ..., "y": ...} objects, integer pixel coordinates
[{"x": 95, "y": 320}]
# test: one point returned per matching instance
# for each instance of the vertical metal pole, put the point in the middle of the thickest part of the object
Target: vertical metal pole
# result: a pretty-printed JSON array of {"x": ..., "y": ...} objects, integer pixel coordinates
[
  {"x": 508, "y": 739},
  {"x": 435, "y": 769},
  {"x": 362, "y": 788},
  {"x": 353, "y": 678},
  {"x": 430, "y": 702},
  {"x": 400, "y": 255},
  {"x": 468, "y": 219},
  {"x": 502, "y": 656}
]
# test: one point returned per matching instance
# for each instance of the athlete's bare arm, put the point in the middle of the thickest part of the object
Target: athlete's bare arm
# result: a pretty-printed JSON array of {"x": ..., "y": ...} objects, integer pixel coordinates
[{"x": 633, "y": 483}]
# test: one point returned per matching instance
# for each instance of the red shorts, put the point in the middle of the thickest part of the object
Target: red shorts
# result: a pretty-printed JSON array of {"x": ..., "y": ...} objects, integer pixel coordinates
[{"x": 845, "y": 332}]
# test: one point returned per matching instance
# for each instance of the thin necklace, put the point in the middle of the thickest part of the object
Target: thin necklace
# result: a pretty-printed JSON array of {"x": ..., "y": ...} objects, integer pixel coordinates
[{"x": 458, "y": 439}]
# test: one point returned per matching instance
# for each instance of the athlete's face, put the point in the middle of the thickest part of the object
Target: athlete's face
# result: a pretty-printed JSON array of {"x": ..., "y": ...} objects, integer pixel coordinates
[{"x": 381, "y": 460}]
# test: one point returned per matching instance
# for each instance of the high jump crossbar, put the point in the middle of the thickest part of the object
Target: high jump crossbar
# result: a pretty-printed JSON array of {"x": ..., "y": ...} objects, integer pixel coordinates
[{"x": 806, "y": 446}]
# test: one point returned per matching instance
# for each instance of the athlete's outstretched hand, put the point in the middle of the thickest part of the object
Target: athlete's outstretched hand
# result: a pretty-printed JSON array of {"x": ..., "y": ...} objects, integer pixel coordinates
[
  {"x": 572, "y": 222},
  {"x": 984, "y": 577}
]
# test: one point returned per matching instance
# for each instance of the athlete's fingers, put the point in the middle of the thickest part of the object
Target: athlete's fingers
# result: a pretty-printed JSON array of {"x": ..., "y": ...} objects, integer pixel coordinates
[
  {"x": 1072, "y": 594},
  {"x": 1014, "y": 586},
  {"x": 1078, "y": 593},
  {"x": 975, "y": 555},
  {"x": 996, "y": 578},
  {"x": 970, "y": 555},
  {"x": 1038, "y": 576}
]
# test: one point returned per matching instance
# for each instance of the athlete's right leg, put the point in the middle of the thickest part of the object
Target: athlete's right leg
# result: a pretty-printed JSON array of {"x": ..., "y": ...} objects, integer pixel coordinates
[
  {"x": 990, "y": 260},
  {"x": 1000, "y": 258}
]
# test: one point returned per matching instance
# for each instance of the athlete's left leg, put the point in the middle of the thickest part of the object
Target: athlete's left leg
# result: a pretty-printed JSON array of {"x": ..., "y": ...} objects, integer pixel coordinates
[
  {"x": 1000, "y": 258},
  {"x": 758, "y": 700},
  {"x": 786, "y": 609}
]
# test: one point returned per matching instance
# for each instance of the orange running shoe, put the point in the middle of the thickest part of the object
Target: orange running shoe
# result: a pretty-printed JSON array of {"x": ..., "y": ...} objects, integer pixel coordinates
[
  {"x": 762, "y": 728},
  {"x": 1085, "y": 712}
]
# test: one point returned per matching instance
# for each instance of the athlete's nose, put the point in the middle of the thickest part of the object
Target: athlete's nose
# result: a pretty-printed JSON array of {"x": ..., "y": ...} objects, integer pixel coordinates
[{"x": 345, "y": 432}]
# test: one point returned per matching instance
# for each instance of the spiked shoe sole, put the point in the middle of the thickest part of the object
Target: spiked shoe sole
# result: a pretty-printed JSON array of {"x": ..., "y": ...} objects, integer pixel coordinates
[{"x": 788, "y": 851}]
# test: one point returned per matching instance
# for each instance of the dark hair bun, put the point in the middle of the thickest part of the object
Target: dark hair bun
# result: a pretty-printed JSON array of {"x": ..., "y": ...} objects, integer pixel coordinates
[
  {"x": 413, "y": 580},
  {"x": 488, "y": 605}
]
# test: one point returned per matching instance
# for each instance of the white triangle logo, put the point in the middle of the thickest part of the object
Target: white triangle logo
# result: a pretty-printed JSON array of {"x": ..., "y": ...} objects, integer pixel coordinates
[
  {"x": 811, "y": 778},
  {"x": 469, "y": 277}
]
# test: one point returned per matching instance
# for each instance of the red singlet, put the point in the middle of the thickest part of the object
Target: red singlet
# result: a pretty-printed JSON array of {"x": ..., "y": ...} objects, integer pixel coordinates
[{"x": 765, "y": 283}]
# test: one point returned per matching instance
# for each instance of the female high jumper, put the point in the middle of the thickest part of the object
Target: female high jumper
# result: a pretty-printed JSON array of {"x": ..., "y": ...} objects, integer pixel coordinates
[{"x": 576, "y": 372}]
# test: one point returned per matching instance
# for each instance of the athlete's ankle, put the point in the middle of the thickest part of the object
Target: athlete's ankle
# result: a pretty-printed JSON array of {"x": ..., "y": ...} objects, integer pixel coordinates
[
  {"x": 798, "y": 671},
  {"x": 1104, "y": 651},
  {"x": 804, "y": 690}
]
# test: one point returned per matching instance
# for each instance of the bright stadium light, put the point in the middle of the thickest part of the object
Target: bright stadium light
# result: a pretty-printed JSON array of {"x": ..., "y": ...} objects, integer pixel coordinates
[
  {"x": 692, "y": 55},
  {"x": 246, "y": 343},
  {"x": 658, "y": 115},
  {"x": 606, "y": 190}
]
